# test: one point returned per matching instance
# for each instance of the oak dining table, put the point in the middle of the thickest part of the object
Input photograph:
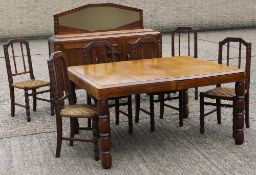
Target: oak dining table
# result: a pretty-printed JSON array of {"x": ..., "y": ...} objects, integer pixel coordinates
[{"x": 115, "y": 79}]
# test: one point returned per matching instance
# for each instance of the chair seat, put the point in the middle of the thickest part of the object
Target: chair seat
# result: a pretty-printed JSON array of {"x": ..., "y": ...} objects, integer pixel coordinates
[
  {"x": 79, "y": 111},
  {"x": 221, "y": 92},
  {"x": 30, "y": 84}
]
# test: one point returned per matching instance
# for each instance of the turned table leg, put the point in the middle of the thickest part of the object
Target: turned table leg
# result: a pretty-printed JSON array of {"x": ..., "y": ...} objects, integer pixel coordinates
[
  {"x": 238, "y": 114},
  {"x": 105, "y": 134}
]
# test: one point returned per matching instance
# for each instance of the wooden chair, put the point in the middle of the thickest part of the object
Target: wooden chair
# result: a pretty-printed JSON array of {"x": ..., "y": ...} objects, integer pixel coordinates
[
  {"x": 146, "y": 48},
  {"x": 225, "y": 93},
  {"x": 103, "y": 52},
  {"x": 61, "y": 88},
  {"x": 187, "y": 31},
  {"x": 15, "y": 50}
]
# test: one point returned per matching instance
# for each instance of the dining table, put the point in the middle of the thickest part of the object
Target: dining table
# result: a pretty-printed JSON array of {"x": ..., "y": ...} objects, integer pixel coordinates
[{"x": 115, "y": 79}]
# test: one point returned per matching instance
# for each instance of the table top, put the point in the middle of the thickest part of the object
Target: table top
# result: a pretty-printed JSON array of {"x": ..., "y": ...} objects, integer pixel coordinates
[{"x": 151, "y": 75}]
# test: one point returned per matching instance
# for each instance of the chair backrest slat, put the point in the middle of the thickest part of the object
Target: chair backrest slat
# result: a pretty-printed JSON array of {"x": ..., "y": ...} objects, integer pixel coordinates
[
  {"x": 99, "y": 52},
  {"x": 189, "y": 31},
  {"x": 14, "y": 59},
  {"x": 239, "y": 56},
  {"x": 241, "y": 43},
  {"x": 59, "y": 80},
  {"x": 13, "y": 45},
  {"x": 145, "y": 48},
  {"x": 23, "y": 57}
]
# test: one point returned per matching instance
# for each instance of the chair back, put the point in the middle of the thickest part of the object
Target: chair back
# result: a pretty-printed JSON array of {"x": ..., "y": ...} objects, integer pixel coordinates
[
  {"x": 16, "y": 51},
  {"x": 244, "y": 51},
  {"x": 59, "y": 82},
  {"x": 187, "y": 31},
  {"x": 145, "y": 48},
  {"x": 97, "y": 52}
]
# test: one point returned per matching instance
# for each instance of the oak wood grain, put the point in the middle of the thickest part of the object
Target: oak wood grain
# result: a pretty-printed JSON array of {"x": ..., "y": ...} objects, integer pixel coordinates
[{"x": 151, "y": 75}]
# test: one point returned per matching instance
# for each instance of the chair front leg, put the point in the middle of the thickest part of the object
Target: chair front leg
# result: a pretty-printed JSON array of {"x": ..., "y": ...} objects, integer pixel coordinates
[
  {"x": 196, "y": 93},
  {"x": 181, "y": 107},
  {"x": 218, "y": 106},
  {"x": 152, "y": 113},
  {"x": 27, "y": 105},
  {"x": 72, "y": 130},
  {"x": 12, "y": 96},
  {"x": 161, "y": 99},
  {"x": 130, "y": 122},
  {"x": 59, "y": 135},
  {"x": 201, "y": 113},
  {"x": 137, "y": 109},
  {"x": 34, "y": 99},
  {"x": 117, "y": 111}
]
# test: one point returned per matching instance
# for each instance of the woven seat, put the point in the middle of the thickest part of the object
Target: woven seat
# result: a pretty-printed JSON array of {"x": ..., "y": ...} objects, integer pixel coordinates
[
  {"x": 30, "y": 84},
  {"x": 221, "y": 92},
  {"x": 79, "y": 111}
]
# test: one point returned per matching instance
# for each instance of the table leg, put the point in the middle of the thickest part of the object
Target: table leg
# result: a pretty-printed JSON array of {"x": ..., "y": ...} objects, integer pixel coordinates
[
  {"x": 105, "y": 133},
  {"x": 238, "y": 113}
]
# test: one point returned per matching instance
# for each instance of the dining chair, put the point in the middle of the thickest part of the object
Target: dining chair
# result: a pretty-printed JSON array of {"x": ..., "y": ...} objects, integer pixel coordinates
[
  {"x": 61, "y": 88},
  {"x": 220, "y": 93},
  {"x": 97, "y": 52},
  {"x": 19, "y": 65},
  {"x": 146, "y": 48},
  {"x": 189, "y": 50}
]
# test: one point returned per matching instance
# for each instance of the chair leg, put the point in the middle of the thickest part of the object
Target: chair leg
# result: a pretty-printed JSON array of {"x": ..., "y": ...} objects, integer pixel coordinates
[
  {"x": 95, "y": 132},
  {"x": 152, "y": 120},
  {"x": 181, "y": 107},
  {"x": 161, "y": 99},
  {"x": 117, "y": 111},
  {"x": 34, "y": 99},
  {"x": 27, "y": 105},
  {"x": 247, "y": 103},
  {"x": 196, "y": 93},
  {"x": 185, "y": 104},
  {"x": 52, "y": 102},
  {"x": 72, "y": 130},
  {"x": 76, "y": 122},
  {"x": 12, "y": 101},
  {"x": 201, "y": 113},
  {"x": 218, "y": 105},
  {"x": 59, "y": 136},
  {"x": 137, "y": 110},
  {"x": 89, "y": 120},
  {"x": 130, "y": 122}
]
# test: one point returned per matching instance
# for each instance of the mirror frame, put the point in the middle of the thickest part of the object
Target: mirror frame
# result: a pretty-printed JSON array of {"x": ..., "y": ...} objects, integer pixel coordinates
[{"x": 60, "y": 30}]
